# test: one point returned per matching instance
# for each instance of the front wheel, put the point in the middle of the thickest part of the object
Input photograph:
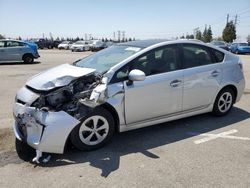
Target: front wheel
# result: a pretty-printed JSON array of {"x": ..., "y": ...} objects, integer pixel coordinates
[
  {"x": 94, "y": 131},
  {"x": 224, "y": 102}
]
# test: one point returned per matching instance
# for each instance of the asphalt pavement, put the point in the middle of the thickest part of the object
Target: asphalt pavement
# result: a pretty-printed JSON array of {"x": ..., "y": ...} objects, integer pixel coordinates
[{"x": 199, "y": 151}]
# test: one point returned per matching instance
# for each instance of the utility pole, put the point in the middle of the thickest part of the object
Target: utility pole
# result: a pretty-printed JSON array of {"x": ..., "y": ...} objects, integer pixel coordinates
[
  {"x": 119, "y": 35},
  {"x": 227, "y": 18},
  {"x": 195, "y": 31},
  {"x": 235, "y": 20},
  {"x": 123, "y": 36},
  {"x": 114, "y": 36}
]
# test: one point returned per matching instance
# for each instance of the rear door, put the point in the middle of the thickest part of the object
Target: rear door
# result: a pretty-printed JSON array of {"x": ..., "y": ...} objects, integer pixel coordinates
[{"x": 202, "y": 75}]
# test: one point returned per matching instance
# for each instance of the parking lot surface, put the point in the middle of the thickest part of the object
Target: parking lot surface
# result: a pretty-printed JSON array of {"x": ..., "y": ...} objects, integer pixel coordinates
[{"x": 200, "y": 151}]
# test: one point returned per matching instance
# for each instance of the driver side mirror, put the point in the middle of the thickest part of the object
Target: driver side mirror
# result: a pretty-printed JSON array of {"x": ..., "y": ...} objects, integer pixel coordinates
[{"x": 136, "y": 75}]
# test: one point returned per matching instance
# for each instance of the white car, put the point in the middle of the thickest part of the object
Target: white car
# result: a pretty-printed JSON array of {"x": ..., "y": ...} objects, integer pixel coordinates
[
  {"x": 80, "y": 46},
  {"x": 124, "y": 87},
  {"x": 65, "y": 45}
]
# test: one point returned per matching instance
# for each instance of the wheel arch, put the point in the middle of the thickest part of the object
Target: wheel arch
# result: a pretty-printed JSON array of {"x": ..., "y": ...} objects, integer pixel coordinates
[
  {"x": 26, "y": 54},
  {"x": 112, "y": 110},
  {"x": 233, "y": 88}
]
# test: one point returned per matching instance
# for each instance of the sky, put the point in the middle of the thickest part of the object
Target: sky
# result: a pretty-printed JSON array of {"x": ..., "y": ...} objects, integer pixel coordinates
[{"x": 142, "y": 19}]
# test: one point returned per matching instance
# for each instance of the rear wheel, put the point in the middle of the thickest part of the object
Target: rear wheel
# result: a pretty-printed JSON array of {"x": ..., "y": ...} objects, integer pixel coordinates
[
  {"x": 224, "y": 102},
  {"x": 94, "y": 131},
  {"x": 28, "y": 58}
]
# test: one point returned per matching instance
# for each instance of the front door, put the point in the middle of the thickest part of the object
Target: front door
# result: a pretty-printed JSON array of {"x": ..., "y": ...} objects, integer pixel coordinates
[{"x": 160, "y": 93}]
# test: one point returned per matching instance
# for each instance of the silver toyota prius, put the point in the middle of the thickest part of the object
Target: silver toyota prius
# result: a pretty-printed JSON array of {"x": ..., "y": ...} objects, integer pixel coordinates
[{"x": 124, "y": 87}]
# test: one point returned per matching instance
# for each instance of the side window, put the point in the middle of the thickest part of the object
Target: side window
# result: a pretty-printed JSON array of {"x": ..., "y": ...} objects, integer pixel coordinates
[
  {"x": 12, "y": 44},
  {"x": 219, "y": 56},
  {"x": 160, "y": 60},
  {"x": 1, "y": 44},
  {"x": 196, "y": 55}
]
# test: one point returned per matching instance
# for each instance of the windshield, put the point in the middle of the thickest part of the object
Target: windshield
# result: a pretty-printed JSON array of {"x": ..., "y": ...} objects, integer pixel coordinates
[{"x": 105, "y": 59}]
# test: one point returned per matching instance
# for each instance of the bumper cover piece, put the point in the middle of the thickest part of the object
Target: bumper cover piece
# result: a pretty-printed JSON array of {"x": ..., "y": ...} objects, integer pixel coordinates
[{"x": 42, "y": 130}]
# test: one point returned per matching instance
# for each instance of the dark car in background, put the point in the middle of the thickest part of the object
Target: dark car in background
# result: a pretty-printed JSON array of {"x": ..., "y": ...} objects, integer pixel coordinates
[
  {"x": 220, "y": 44},
  {"x": 240, "y": 48}
]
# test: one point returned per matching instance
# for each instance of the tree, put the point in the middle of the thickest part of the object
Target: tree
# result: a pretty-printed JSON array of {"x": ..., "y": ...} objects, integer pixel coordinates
[
  {"x": 19, "y": 38},
  {"x": 182, "y": 37},
  {"x": 248, "y": 38},
  {"x": 129, "y": 39},
  {"x": 189, "y": 36},
  {"x": 209, "y": 34},
  {"x": 198, "y": 35},
  {"x": 229, "y": 32}
]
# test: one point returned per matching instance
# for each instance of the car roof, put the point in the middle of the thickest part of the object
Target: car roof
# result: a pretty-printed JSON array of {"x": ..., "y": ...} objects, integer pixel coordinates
[
  {"x": 151, "y": 42},
  {"x": 143, "y": 43}
]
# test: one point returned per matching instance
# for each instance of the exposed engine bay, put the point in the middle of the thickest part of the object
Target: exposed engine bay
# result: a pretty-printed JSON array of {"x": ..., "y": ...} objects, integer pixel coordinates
[{"x": 76, "y": 98}]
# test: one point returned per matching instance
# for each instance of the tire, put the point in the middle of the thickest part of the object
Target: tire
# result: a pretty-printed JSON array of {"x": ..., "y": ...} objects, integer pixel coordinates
[
  {"x": 86, "y": 135},
  {"x": 24, "y": 151},
  {"x": 28, "y": 58},
  {"x": 223, "y": 102},
  {"x": 237, "y": 52}
]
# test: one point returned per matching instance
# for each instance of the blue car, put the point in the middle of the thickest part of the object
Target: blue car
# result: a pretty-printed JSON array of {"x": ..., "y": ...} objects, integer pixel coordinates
[
  {"x": 16, "y": 50},
  {"x": 240, "y": 48}
]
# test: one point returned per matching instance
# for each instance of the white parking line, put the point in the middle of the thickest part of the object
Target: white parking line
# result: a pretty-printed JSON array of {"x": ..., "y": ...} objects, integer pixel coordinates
[{"x": 220, "y": 135}]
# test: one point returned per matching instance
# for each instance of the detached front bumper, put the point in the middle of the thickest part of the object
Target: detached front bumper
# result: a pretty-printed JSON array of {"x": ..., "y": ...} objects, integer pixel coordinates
[{"x": 42, "y": 130}]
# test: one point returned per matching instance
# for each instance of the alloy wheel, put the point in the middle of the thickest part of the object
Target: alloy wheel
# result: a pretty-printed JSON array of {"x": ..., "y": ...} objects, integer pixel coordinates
[
  {"x": 94, "y": 130},
  {"x": 225, "y": 102}
]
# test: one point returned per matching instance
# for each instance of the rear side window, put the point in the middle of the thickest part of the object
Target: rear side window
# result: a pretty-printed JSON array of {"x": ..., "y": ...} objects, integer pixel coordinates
[
  {"x": 219, "y": 56},
  {"x": 13, "y": 44},
  {"x": 196, "y": 55}
]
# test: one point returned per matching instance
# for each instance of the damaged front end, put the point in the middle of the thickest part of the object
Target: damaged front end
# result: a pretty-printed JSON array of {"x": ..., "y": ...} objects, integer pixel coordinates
[{"x": 45, "y": 112}]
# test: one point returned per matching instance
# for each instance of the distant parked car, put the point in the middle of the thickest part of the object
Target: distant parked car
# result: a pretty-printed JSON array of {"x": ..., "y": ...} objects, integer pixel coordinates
[
  {"x": 56, "y": 43},
  {"x": 43, "y": 43},
  {"x": 97, "y": 45},
  {"x": 220, "y": 44},
  {"x": 108, "y": 44},
  {"x": 240, "y": 48},
  {"x": 65, "y": 45},
  {"x": 14, "y": 50},
  {"x": 80, "y": 46}
]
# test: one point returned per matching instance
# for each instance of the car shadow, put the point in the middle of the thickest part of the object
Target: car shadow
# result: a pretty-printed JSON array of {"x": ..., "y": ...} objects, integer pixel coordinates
[
  {"x": 18, "y": 63},
  {"x": 107, "y": 159}
]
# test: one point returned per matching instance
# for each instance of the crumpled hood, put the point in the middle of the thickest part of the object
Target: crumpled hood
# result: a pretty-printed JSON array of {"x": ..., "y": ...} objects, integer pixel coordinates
[{"x": 57, "y": 77}]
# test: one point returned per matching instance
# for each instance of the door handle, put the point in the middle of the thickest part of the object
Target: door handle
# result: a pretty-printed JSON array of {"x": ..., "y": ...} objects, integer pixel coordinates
[
  {"x": 175, "y": 83},
  {"x": 215, "y": 73}
]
